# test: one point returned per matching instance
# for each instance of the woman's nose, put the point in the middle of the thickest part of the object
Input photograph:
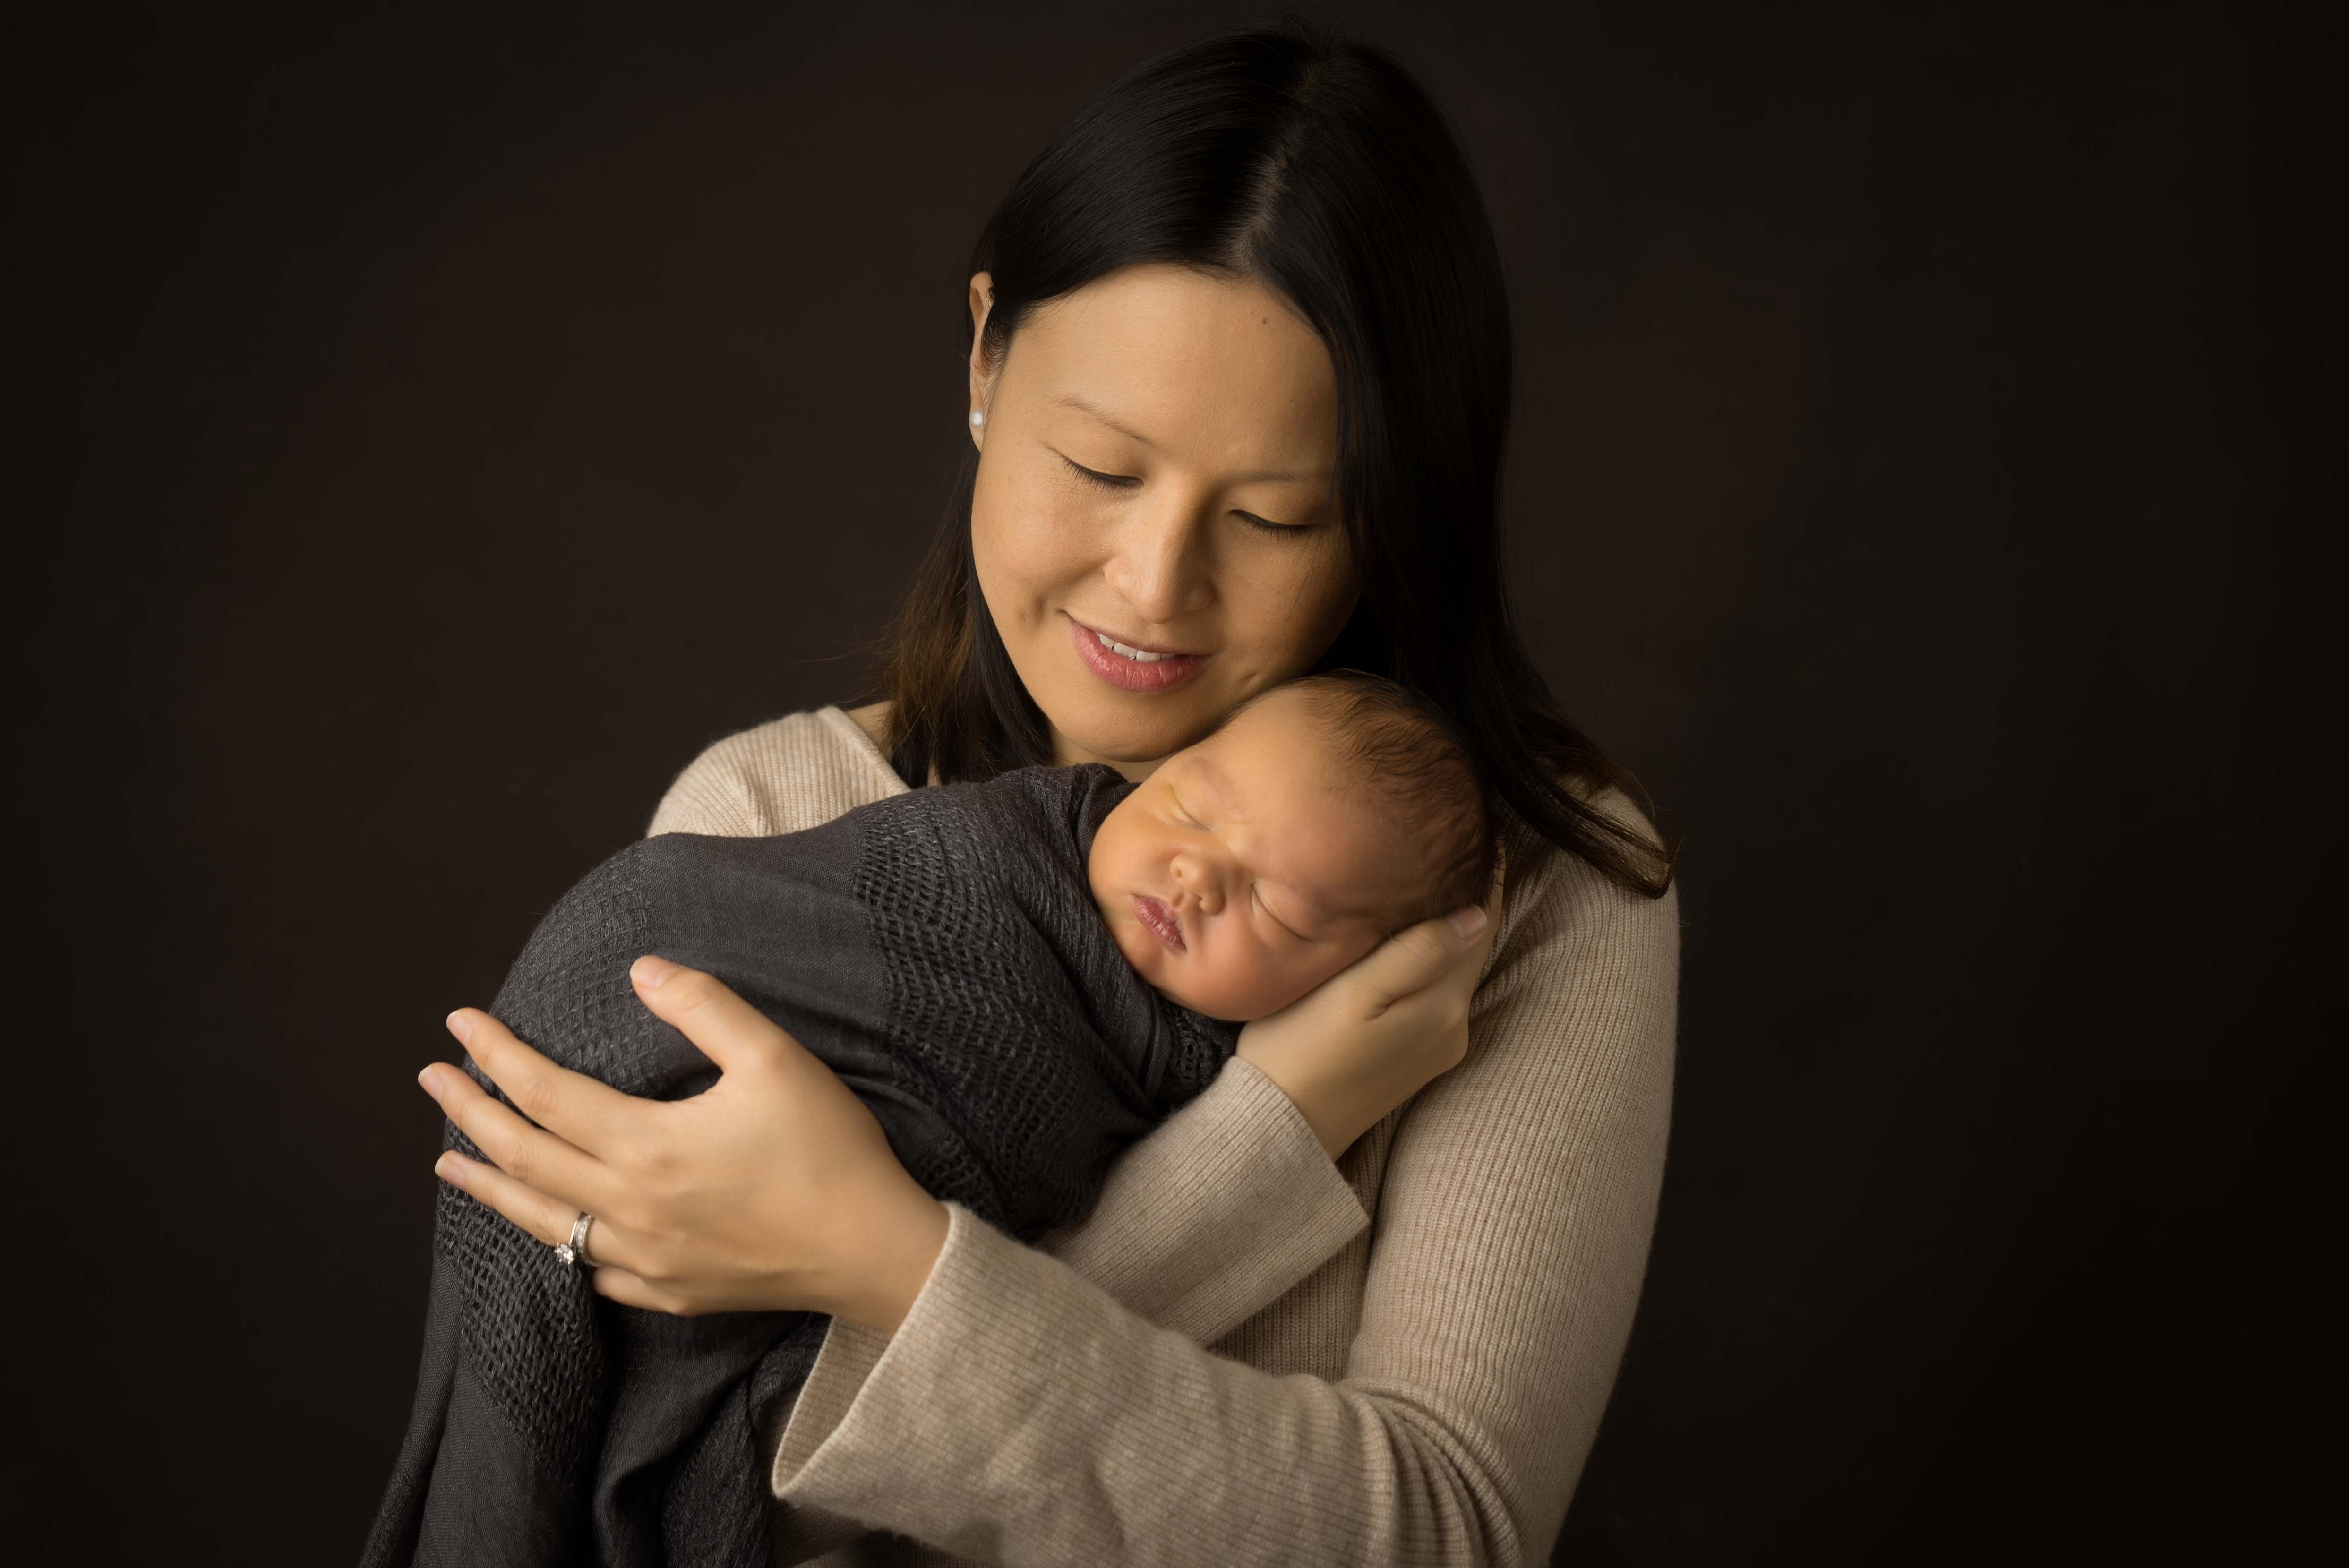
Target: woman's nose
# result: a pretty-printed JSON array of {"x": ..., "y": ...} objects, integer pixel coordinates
[{"x": 1160, "y": 566}]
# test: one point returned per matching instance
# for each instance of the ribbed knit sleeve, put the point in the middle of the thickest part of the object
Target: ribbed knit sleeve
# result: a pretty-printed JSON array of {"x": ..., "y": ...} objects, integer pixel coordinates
[
  {"x": 1218, "y": 1212},
  {"x": 1022, "y": 1415}
]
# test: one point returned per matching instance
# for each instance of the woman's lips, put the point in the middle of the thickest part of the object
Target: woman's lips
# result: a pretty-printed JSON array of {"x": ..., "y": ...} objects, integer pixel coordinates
[
  {"x": 1159, "y": 920},
  {"x": 1127, "y": 673}
]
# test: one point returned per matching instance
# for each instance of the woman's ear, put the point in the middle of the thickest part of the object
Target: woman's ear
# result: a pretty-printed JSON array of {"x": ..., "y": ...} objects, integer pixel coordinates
[{"x": 982, "y": 379}]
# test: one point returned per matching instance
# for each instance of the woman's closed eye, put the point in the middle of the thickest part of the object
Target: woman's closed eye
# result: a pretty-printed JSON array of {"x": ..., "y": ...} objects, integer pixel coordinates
[
  {"x": 1265, "y": 525},
  {"x": 1095, "y": 477},
  {"x": 1128, "y": 482}
]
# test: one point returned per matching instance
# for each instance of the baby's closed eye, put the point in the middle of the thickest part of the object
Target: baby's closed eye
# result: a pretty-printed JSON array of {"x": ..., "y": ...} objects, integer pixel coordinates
[{"x": 1255, "y": 892}]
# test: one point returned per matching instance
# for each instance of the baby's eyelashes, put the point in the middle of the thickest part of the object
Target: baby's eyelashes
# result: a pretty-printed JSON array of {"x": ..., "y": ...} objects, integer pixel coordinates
[{"x": 1256, "y": 895}]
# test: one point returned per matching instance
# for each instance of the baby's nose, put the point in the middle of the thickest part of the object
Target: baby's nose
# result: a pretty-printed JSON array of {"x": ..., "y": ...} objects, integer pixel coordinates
[
  {"x": 1210, "y": 888},
  {"x": 1199, "y": 880}
]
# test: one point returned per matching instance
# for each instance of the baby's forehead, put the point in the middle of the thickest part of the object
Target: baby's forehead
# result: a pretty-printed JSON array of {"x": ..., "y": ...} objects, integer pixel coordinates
[
  {"x": 1320, "y": 822},
  {"x": 1266, "y": 766}
]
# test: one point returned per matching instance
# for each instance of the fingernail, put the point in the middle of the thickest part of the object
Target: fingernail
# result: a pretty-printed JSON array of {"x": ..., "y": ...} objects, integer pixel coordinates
[
  {"x": 1467, "y": 921},
  {"x": 462, "y": 1027},
  {"x": 649, "y": 971},
  {"x": 431, "y": 1085},
  {"x": 447, "y": 1168}
]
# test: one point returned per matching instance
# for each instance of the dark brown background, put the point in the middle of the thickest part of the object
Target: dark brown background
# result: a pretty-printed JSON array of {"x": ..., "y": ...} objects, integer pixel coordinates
[{"x": 430, "y": 427}]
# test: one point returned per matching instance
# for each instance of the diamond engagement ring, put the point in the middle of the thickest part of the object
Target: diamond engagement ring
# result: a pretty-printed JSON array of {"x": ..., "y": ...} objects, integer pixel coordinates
[{"x": 573, "y": 1253}]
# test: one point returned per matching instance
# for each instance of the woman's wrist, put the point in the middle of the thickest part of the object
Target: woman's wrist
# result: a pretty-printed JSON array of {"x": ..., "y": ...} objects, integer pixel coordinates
[
  {"x": 1372, "y": 1036},
  {"x": 890, "y": 1270},
  {"x": 1327, "y": 1108}
]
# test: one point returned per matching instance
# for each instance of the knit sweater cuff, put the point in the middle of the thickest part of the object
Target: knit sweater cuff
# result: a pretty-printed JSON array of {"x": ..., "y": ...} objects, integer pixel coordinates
[
  {"x": 1217, "y": 1213},
  {"x": 850, "y": 1351},
  {"x": 961, "y": 1373},
  {"x": 850, "y": 1354}
]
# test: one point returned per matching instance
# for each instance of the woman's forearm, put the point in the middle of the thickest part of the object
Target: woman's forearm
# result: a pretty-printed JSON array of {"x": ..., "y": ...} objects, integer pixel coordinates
[{"x": 1220, "y": 1210}]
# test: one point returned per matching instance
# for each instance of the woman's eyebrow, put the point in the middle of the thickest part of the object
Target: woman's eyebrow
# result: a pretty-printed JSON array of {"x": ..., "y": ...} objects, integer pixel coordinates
[
  {"x": 1095, "y": 412},
  {"x": 1071, "y": 400}
]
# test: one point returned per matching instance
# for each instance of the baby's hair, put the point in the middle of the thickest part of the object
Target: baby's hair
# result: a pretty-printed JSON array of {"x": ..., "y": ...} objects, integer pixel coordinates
[{"x": 1417, "y": 759}]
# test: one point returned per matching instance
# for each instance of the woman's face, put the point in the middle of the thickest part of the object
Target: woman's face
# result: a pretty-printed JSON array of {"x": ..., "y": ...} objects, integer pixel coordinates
[{"x": 1156, "y": 521}]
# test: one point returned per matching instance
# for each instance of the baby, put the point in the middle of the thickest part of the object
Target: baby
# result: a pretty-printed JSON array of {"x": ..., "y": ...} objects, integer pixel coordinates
[
  {"x": 1322, "y": 818},
  {"x": 1019, "y": 977}
]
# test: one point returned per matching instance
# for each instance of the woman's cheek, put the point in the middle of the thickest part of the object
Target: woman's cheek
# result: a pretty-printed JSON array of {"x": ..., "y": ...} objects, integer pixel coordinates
[
  {"x": 1022, "y": 536},
  {"x": 1289, "y": 600},
  {"x": 1059, "y": 528}
]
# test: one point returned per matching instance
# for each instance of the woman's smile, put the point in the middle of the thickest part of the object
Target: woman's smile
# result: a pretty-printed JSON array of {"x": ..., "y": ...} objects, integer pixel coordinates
[{"x": 1131, "y": 666}]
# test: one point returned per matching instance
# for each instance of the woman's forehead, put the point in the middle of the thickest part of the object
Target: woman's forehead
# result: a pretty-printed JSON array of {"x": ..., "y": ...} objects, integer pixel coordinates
[
  {"x": 1174, "y": 358},
  {"x": 1078, "y": 403}
]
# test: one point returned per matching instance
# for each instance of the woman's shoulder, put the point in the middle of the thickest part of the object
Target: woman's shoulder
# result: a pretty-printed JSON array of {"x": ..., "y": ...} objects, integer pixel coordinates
[
  {"x": 1566, "y": 925},
  {"x": 788, "y": 774}
]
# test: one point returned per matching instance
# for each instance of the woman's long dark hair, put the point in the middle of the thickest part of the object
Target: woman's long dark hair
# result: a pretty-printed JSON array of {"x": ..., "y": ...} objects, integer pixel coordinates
[{"x": 1315, "y": 165}]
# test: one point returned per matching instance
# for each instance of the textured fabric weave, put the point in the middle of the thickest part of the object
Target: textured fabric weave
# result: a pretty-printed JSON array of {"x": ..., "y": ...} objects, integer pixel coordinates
[{"x": 939, "y": 951}]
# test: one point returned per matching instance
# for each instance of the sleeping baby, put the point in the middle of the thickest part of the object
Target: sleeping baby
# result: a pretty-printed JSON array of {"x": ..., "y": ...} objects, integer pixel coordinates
[{"x": 1019, "y": 977}]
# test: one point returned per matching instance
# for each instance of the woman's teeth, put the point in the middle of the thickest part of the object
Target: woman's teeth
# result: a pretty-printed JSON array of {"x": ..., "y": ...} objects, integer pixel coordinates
[{"x": 1114, "y": 646}]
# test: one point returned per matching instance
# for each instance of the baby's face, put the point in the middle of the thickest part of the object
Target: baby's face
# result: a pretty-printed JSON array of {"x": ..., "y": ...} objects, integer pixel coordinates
[{"x": 1247, "y": 870}]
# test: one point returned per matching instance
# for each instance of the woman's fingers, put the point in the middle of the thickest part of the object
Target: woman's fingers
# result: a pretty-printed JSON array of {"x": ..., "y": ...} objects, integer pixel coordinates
[
  {"x": 1417, "y": 957},
  {"x": 705, "y": 1010},
  {"x": 619, "y": 1284},
  {"x": 529, "y": 1155},
  {"x": 1481, "y": 939},
  {"x": 548, "y": 1219},
  {"x": 1450, "y": 946},
  {"x": 586, "y": 1114}
]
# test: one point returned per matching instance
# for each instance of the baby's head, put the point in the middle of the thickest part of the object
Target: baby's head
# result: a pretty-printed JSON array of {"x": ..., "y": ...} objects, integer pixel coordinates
[{"x": 1323, "y": 817}]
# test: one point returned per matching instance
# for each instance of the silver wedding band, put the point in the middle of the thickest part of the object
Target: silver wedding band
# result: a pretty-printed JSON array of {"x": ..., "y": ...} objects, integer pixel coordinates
[{"x": 573, "y": 1253}]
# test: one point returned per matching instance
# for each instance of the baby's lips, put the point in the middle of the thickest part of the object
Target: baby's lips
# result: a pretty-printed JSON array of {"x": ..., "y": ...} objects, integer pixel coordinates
[{"x": 1160, "y": 920}]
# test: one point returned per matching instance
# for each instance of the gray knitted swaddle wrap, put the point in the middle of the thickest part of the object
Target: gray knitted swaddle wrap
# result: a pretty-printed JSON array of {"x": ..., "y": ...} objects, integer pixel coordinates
[{"x": 940, "y": 951}]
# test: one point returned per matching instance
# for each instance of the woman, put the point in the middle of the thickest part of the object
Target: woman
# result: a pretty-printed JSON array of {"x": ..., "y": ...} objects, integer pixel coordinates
[{"x": 1240, "y": 381}]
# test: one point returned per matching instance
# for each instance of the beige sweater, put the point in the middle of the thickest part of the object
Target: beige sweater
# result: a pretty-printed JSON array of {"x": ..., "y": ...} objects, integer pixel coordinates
[{"x": 1249, "y": 1353}]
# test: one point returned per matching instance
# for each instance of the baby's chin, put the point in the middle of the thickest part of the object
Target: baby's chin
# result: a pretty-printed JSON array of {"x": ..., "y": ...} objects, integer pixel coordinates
[
  {"x": 1260, "y": 997},
  {"x": 1233, "y": 1006}
]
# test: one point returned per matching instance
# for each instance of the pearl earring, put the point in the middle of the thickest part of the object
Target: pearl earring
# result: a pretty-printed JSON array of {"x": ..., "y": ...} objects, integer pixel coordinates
[{"x": 978, "y": 420}]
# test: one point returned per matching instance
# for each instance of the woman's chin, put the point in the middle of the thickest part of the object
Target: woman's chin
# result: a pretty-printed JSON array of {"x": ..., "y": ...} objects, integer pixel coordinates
[{"x": 1132, "y": 743}]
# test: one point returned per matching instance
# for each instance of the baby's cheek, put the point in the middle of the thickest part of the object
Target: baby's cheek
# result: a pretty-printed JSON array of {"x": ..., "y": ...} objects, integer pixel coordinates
[
  {"x": 1301, "y": 972},
  {"x": 1220, "y": 984},
  {"x": 1272, "y": 981},
  {"x": 1140, "y": 949}
]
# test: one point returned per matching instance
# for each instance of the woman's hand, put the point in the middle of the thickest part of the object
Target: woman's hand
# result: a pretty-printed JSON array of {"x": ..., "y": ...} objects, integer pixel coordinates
[
  {"x": 774, "y": 1190},
  {"x": 1370, "y": 1037}
]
